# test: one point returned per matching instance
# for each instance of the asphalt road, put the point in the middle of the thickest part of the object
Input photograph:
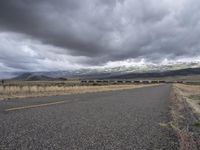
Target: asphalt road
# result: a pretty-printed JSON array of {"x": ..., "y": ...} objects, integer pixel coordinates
[{"x": 128, "y": 119}]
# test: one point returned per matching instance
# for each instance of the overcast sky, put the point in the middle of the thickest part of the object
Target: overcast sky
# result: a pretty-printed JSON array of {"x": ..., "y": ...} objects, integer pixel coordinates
[{"x": 42, "y": 35}]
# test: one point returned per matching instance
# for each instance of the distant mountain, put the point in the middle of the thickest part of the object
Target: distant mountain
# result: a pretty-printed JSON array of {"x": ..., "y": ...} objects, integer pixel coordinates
[
  {"x": 181, "y": 72},
  {"x": 88, "y": 74},
  {"x": 116, "y": 70},
  {"x": 33, "y": 77}
]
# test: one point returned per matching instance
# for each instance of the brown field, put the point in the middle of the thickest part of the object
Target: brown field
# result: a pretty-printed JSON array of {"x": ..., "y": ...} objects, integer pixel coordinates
[
  {"x": 192, "y": 95},
  {"x": 189, "y": 78},
  {"x": 185, "y": 115},
  {"x": 19, "y": 89},
  {"x": 40, "y": 83}
]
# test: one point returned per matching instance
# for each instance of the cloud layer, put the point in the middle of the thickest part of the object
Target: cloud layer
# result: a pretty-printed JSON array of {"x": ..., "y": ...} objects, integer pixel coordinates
[{"x": 70, "y": 34}]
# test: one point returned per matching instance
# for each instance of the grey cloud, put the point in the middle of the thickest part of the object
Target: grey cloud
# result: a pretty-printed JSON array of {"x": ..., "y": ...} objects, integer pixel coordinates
[
  {"x": 106, "y": 30},
  {"x": 53, "y": 24}
]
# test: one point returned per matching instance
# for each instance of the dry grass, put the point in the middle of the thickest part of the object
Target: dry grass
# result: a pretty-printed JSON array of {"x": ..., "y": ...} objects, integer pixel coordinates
[
  {"x": 41, "y": 83},
  {"x": 192, "y": 95},
  {"x": 19, "y": 91},
  {"x": 180, "y": 104}
]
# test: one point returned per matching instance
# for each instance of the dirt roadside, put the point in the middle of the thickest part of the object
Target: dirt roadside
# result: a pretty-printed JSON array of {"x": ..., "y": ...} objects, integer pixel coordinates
[{"x": 185, "y": 116}]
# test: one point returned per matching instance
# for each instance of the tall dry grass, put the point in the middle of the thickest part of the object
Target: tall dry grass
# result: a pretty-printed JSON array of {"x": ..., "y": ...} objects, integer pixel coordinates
[
  {"x": 179, "y": 109},
  {"x": 191, "y": 93},
  {"x": 189, "y": 89},
  {"x": 15, "y": 91}
]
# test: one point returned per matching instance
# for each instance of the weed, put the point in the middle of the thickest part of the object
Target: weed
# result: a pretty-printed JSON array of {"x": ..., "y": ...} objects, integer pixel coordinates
[
  {"x": 197, "y": 124},
  {"x": 194, "y": 97}
]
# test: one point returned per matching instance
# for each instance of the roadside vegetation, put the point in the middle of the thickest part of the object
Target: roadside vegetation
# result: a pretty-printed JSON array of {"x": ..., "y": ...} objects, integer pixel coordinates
[
  {"x": 192, "y": 95},
  {"x": 20, "y": 89},
  {"x": 185, "y": 111}
]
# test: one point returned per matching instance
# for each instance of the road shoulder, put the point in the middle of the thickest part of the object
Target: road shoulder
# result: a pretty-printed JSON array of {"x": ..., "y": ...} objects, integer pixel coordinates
[{"x": 184, "y": 120}]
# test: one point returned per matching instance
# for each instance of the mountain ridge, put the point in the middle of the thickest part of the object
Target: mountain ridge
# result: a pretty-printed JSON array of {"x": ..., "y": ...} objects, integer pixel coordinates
[{"x": 58, "y": 75}]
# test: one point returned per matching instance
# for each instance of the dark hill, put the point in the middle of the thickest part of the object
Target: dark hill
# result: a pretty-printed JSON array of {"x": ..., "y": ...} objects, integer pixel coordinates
[
  {"x": 182, "y": 72},
  {"x": 33, "y": 77},
  {"x": 60, "y": 76}
]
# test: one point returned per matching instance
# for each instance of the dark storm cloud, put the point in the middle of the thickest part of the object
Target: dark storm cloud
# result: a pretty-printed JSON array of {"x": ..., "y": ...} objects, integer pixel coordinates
[
  {"x": 105, "y": 30},
  {"x": 55, "y": 22}
]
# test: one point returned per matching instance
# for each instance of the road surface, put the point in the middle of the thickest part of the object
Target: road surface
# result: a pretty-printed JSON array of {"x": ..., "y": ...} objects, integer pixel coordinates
[{"x": 128, "y": 119}]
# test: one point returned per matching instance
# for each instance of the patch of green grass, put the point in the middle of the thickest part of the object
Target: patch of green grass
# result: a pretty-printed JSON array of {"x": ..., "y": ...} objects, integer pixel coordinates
[
  {"x": 194, "y": 97},
  {"x": 197, "y": 124}
]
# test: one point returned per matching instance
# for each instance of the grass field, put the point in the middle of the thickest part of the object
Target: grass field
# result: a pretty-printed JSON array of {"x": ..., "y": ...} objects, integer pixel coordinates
[
  {"x": 40, "y": 83},
  {"x": 192, "y": 95},
  {"x": 189, "y": 78},
  {"x": 185, "y": 111},
  {"x": 19, "y": 89}
]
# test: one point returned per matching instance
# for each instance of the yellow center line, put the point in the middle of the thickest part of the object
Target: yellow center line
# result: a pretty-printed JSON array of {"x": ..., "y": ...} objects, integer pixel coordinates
[{"x": 33, "y": 106}]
